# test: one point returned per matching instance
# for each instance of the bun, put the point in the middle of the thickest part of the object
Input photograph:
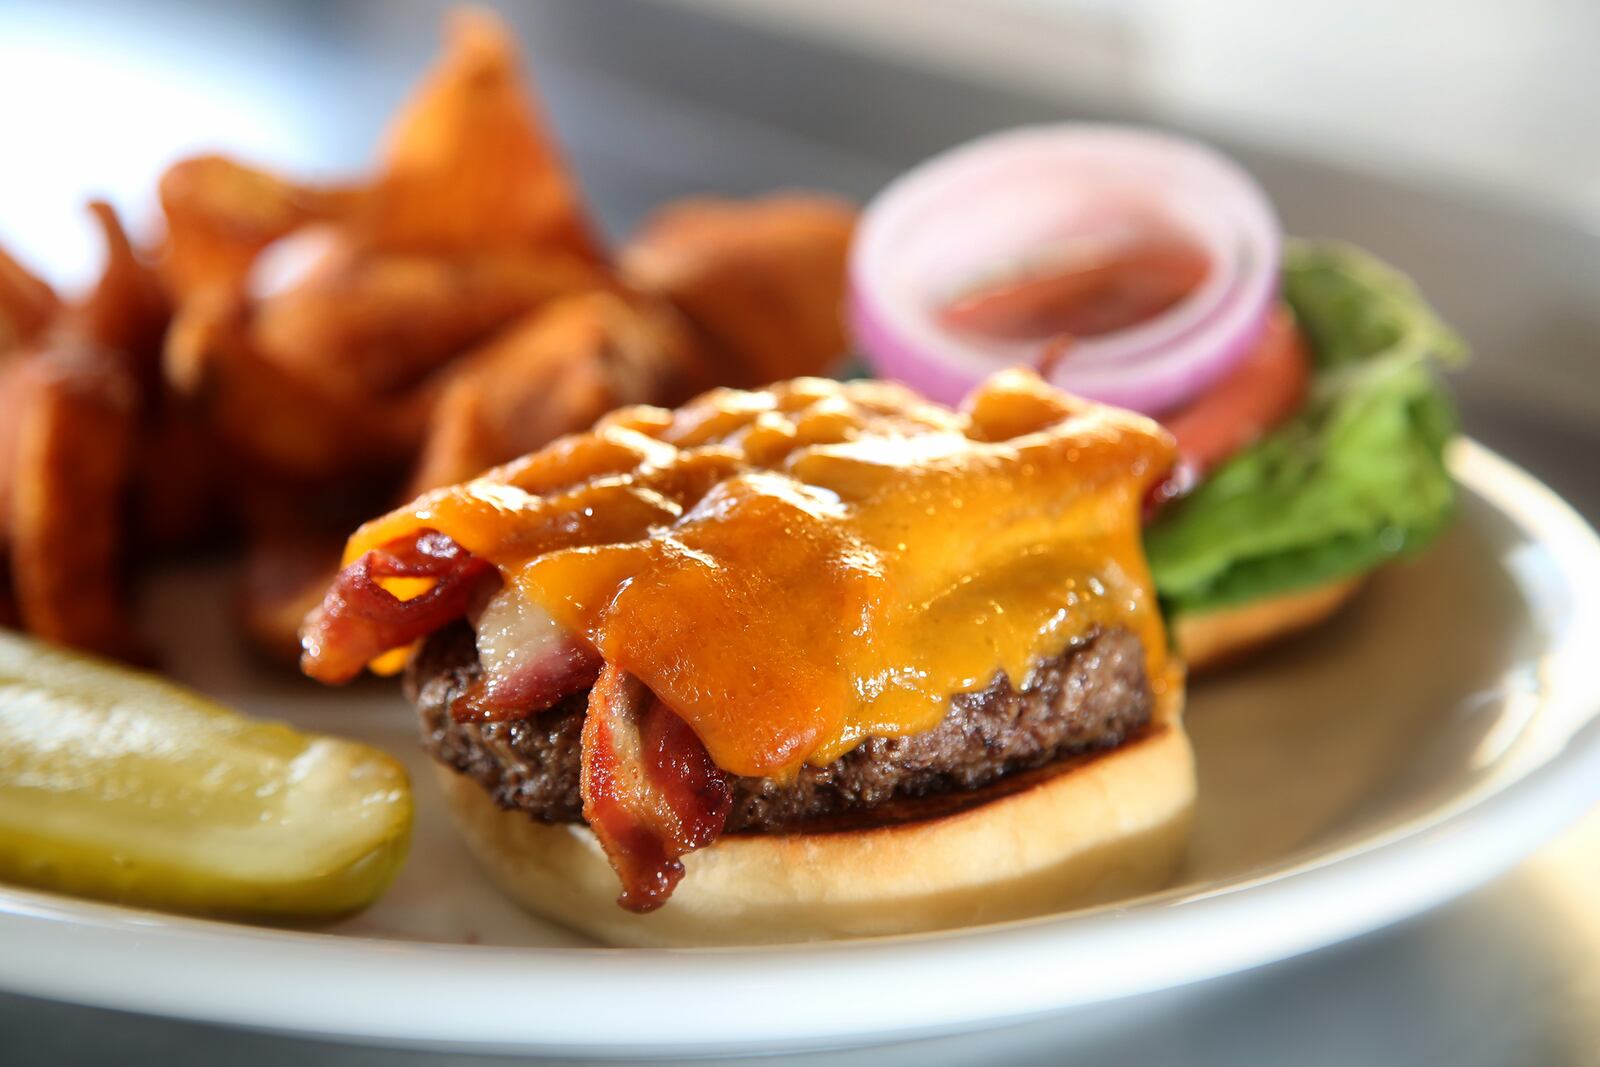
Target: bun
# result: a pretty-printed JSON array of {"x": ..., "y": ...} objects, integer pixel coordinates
[
  {"x": 1093, "y": 830},
  {"x": 1215, "y": 638}
]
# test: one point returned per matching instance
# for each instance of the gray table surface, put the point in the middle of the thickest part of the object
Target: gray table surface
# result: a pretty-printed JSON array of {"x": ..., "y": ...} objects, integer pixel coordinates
[{"x": 656, "y": 103}]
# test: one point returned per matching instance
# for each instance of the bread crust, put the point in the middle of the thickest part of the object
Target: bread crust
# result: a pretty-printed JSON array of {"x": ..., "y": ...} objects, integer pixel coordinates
[
  {"x": 1216, "y": 638},
  {"x": 1089, "y": 831}
]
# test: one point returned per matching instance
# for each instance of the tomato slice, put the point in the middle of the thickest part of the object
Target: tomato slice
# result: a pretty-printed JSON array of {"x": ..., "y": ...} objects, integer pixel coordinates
[{"x": 1265, "y": 388}]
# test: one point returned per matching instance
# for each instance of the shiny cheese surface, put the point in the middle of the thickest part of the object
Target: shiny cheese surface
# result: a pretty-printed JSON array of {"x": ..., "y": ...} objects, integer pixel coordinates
[{"x": 797, "y": 568}]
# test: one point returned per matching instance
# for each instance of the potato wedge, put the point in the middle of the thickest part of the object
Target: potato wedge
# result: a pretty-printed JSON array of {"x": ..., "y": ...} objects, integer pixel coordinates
[
  {"x": 177, "y": 481},
  {"x": 13, "y": 383},
  {"x": 268, "y": 417},
  {"x": 285, "y": 576},
  {"x": 222, "y": 213},
  {"x": 370, "y": 323},
  {"x": 556, "y": 372},
  {"x": 127, "y": 311},
  {"x": 27, "y": 304},
  {"x": 765, "y": 278},
  {"x": 118, "y": 785},
  {"x": 469, "y": 164},
  {"x": 76, "y": 432}
]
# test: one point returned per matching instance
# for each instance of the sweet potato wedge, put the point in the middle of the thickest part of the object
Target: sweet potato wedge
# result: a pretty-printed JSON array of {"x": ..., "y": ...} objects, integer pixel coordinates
[
  {"x": 556, "y": 372},
  {"x": 221, "y": 214},
  {"x": 370, "y": 323},
  {"x": 765, "y": 278},
  {"x": 127, "y": 311},
  {"x": 283, "y": 578},
  {"x": 27, "y": 304},
  {"x": 468, "y": 162},
  {"x": 269, "y": 417},
  {"x": 76, "y": 432}
]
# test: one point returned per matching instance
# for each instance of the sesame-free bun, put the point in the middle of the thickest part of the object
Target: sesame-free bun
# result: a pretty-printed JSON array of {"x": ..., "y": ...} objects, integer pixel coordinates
[
  {"x": 1088, "y": 831},
  {"x": 1215, "y": 638}
]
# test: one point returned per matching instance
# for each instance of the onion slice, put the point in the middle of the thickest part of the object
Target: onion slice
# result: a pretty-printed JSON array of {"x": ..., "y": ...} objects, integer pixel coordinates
[{"x": 1012, "y": 199}]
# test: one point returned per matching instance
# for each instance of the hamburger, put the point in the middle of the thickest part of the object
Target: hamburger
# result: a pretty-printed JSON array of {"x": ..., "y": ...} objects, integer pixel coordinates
[
  {"x": 812, "y": 661},
  {"x": 1299, "y": 379}
]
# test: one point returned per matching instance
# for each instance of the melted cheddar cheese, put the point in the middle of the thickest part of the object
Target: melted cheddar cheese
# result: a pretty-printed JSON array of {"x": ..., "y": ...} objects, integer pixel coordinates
[{"x": 797, "y": 568}]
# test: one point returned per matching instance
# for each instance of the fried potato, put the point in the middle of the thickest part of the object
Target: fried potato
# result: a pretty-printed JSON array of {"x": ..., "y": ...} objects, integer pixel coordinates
[
  {"x": 75, "y": 436},
  {"x": 127, "y": 311},
  {"x": 177, "y": 489},
  {"x": 765, "y": 279},
  {"x": 27, "y": 304},
  {"x": 11, "y": 382},
  {"x": 369, "y": 323},
  {"x": 13, "y": 385},
  {"x": 271, "y": 418},
  {"x": 294, "y": 538},
  {"x": 556, "y": 372},
  {"x": 221, "y": 214},
  {"x": 468, "y": 163},
  {"x": 284, "y": 577},
  {"x": 472, "y": 223},
  {"x": 126, "y": 316}
]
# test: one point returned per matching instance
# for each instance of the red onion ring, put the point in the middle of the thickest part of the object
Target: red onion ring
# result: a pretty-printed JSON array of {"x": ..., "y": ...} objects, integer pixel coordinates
[{"x": 1004, "y": 196}]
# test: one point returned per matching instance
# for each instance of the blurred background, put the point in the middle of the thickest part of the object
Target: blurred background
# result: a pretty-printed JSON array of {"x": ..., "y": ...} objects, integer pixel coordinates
[
  {"x": 1457, "y": 139},
  {"x": 1460, "y": 139}
]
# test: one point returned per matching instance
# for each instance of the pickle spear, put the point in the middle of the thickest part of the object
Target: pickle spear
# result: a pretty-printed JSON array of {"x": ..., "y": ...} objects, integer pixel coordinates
[{"x": 117, "y": 785}]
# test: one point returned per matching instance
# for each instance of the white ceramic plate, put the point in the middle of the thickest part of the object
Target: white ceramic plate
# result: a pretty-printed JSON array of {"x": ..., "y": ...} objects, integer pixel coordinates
[{"x": 1436, "y": 732}]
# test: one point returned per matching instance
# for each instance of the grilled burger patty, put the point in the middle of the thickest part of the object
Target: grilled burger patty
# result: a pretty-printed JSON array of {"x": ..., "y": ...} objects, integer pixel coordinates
[{"x": 1093, "y": 696}]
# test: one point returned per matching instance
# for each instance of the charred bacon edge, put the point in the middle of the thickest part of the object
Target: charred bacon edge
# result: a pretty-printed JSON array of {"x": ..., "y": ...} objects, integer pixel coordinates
[
  {"x": 651, "y": 793},
  {"x": 360, "y": 620},
  {"x": 561, "y": 670}
]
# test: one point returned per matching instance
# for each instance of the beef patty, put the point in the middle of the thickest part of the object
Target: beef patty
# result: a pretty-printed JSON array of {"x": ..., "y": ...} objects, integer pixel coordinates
[{"x": 1093, "y": 696}]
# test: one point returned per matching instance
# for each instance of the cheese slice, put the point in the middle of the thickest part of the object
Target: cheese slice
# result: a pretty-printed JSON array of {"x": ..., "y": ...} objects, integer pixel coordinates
[{"x": 797, "y": 568}]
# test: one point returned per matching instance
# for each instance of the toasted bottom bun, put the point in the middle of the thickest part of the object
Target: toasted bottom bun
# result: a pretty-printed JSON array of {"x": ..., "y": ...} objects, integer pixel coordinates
[
  {"x": 1085, "y": 832},
  {"x": 1214, "y": 638}
]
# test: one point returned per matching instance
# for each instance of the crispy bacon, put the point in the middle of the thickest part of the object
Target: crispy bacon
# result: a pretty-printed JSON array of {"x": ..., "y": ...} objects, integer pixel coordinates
[
  {"x": 530, "y": 661},
  {"x": 359, "y": 619},
  {"x": 561, "y": 668},
  {"x": 650, "y": 790}
]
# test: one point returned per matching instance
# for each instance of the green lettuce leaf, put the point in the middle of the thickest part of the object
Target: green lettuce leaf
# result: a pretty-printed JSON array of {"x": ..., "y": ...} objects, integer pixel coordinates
[{"x": 1355, "y": 479}]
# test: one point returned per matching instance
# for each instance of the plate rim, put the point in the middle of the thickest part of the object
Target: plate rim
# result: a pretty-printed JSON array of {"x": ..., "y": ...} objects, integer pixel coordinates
[{"x": 420, "y": 993}]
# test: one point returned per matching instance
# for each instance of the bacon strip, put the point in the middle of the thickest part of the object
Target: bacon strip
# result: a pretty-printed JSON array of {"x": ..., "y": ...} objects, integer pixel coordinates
[
  {"x": 558, "y": 670},
  {"x": 359, "y": 619},
  {"x": 650, "y": 790}
]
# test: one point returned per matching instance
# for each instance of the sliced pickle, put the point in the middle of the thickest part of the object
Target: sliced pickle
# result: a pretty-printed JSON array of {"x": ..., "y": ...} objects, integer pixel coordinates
[{"x": 117, "y": 785}]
